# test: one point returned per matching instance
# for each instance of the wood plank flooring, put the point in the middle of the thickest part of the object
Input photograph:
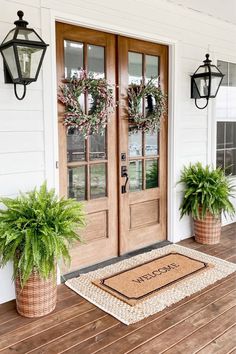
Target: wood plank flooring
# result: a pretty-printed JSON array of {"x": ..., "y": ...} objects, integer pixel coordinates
[{"x": 204, "y": 323}]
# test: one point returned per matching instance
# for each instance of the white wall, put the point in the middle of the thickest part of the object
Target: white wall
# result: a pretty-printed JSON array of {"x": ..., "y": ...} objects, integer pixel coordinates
[{"x": 28, "y": 136}]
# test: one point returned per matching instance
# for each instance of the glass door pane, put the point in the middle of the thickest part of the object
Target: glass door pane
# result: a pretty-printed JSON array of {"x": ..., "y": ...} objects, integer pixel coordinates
[
  {"x": 135, "y": 68},
  {"x": 75, "y": 146},
  {"x": 73, "y": 57}
]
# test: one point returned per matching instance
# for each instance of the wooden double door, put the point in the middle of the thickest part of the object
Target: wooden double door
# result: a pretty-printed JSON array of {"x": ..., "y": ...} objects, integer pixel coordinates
[{"x": 93, "y": 170}]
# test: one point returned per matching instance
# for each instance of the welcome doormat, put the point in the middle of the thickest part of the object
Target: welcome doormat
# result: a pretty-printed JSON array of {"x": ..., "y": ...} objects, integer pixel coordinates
[
  {"x": 208, "y": 270},
  {"x": 144, "y": 280}
]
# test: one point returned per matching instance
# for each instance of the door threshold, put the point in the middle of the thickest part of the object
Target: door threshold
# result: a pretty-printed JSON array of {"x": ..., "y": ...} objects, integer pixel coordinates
[{"x": 114, "y": 260}]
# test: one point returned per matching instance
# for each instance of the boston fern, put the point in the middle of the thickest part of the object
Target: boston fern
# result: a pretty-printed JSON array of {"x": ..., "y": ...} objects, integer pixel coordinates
[
  {"x": 206, "y": 188},
  {"x": 36, "y": 230}
]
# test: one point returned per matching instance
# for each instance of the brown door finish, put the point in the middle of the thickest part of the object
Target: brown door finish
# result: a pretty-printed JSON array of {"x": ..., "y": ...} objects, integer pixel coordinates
[
  {"x": 88, "y": 167},
  {"x": 142, "y": 209}
]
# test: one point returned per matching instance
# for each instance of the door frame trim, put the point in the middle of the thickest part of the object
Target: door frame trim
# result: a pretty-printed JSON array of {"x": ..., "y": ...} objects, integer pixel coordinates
[{"x": 50, "y": 101}]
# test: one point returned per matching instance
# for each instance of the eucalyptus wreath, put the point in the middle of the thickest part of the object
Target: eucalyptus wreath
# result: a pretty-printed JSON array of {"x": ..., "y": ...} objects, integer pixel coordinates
[
  {"x": 101, "y": 94},
  {"x": 149, "y": 122}
]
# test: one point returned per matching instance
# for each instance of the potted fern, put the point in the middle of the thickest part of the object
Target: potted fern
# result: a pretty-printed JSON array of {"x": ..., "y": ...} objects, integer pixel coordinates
[
  {"x": 36, "y": 230},
  {"x": 206, "y": 196}
]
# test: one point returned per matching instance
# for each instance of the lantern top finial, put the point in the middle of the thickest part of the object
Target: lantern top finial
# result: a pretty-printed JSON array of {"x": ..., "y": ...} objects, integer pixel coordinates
[
  {"x": 21, "y": 22},
  {"x": 207, "y": 60}
]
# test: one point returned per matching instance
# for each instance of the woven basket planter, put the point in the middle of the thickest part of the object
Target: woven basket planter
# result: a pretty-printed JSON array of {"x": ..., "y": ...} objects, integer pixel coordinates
[
  {"x": 208, "y": 230},
  {"x": 38, "y": 296}
]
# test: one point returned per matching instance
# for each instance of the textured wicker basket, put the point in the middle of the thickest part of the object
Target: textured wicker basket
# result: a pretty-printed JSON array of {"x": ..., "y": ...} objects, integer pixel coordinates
[
  {"x": 38, "y": 296},
  {"x": 208, "y": 230}
]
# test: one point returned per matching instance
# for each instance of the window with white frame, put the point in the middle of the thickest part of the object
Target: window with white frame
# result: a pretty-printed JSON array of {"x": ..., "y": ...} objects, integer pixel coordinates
[{"x": 226, "y": 119}]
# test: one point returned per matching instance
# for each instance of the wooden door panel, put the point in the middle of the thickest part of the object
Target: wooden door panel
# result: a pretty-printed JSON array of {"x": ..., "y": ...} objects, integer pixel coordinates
[
  {"x": 143, "y": 213},
  {"x": 101, "y": 233},
  {"x": 139, "y": 217}
]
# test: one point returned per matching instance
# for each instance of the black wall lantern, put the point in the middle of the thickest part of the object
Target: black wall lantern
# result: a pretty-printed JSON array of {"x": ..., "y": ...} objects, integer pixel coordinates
[
  {"x": 205, "y": 82},
  {"x": 23, "y": 51}
]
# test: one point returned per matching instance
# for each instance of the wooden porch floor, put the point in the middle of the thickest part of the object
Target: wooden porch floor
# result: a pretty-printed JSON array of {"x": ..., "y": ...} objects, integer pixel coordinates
[{"x": 203, "y": 323}]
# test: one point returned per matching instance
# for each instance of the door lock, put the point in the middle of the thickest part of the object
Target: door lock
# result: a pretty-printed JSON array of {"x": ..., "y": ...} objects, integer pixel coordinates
[
  {"x": 124, "y": 171},
  {"x": 123, "y": 156}
]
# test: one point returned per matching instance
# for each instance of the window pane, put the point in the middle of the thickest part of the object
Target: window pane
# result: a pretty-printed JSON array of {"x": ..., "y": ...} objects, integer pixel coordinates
[
  {"x": 76, "y": 182},
  {"x": 96, "y": 62},
  {"x": 98, "y": 181},
  {"x": 220, "y": 158},
  {"x": 135, "y": 143},
  {"x": 151, "y": 174},
  {"x": 230, "y": 135},
  {"x": 74, "y": 58},
  {"x": 230, "y": 161},
  {"x": 220, "y": 135},
  {"x": 135, "y": 175},
  {"x": 135, "y": 68},
  {"x": 232, "y": 74},
  {"x": 151, "y": 67},
  {"x": 75, "y": 146},
  {"x": 97, "y": 147},
  {"x": 151, "y": 147}
]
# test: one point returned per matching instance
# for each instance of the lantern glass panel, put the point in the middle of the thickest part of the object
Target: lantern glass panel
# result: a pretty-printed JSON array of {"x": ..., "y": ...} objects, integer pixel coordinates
[
  {"x": 202, "y": 70},
  {"x": 10, "y": 36},
  {"x": 215, "y": 82},
  {"x": 27, "y": 35},
  {"x": 202, "y": 84},
  {"x": 29, "y": 58},
  {"x": 214, "y": 69},
  {"x": 8, "y": 54}
]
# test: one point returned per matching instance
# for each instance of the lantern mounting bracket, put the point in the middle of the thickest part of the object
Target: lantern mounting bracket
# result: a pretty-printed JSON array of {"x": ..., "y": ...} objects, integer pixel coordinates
[
  {"x": 207, "y": 99},
  {"x": 23, "y": 94}
]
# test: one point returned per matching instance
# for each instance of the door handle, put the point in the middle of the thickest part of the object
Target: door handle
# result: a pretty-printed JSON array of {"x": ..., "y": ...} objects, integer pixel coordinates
[{"x": 124, "y": 173}]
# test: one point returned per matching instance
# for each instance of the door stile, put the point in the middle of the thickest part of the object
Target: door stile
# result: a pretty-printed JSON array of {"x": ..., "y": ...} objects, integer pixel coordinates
[{"x": 122, "y": 114}]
